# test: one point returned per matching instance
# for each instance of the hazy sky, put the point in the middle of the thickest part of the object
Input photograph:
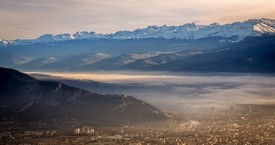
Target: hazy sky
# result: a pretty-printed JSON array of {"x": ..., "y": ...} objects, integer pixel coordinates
[{"x": 31, "y": 18}]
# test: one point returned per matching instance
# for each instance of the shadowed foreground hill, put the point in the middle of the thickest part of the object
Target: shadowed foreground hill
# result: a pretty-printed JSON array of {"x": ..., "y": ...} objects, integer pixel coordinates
[{"x": 32, "y": 99}]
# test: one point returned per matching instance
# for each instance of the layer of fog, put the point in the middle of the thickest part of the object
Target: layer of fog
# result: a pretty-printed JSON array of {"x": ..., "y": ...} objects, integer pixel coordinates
[{"x": 182, "y": 91}]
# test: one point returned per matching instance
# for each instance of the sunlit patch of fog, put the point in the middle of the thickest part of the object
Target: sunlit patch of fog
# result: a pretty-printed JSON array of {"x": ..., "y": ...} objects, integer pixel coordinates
[
  {"x": 164, "y": 90},
  {"x": 159, "y": 78}
]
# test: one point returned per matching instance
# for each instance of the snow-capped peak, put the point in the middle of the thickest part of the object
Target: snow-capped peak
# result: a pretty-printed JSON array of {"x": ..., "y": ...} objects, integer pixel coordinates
[
  {"x": 214, "y": 24},
  {"x": 253, "y": 27},
  {"x": 263, "y": 28},
  {"x": 4, "y": 42},
  {"x": 45, "y": 38},
  {"x": 238, "y": 30},
  {"x": 52, "y": 38},
  {"x": 85, "y": 35},
  {"x": 66, "y": 36}
]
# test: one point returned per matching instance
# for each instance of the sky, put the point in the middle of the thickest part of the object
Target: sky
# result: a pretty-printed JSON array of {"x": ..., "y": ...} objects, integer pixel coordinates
[{"x": 32, "y": 18}]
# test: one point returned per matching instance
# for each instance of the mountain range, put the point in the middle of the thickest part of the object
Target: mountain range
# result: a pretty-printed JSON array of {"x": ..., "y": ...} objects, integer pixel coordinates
[
  {"x": 255, "y": 55},
  {"x": 30, "y": 99},
  {"x": 237, "y": 30},
  {"x": 247, "y": 46}
]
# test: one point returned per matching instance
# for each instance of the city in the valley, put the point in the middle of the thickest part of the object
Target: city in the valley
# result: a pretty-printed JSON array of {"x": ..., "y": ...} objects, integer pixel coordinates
[{"x": 237, "y": 124}]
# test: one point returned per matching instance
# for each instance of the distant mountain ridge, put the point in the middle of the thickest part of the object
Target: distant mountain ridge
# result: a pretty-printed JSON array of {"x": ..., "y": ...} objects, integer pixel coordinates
[
  {"x": 62, "y": 63},
  {"x": 255, "y": 55},
  {"x": 237, "y": 30},
  {"x": 251, "y": 55},
  {"x": 13, "y": 59}
]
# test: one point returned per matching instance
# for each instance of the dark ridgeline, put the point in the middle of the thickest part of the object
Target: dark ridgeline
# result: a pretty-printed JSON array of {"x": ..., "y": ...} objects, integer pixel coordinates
[{"x": 31, "y": 99}]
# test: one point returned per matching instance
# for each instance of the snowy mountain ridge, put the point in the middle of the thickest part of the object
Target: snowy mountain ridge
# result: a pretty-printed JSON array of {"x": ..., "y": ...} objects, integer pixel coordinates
[
  {"x": 238, "y": 30},
  {"x": 4, "y": 42}
]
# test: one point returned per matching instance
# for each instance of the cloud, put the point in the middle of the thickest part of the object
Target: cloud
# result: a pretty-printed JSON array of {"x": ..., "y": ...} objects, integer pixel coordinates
[
  {"x": 197, "y": 90},
  {"x": 215, "y": 94},
  {"x": 179, "y": 93}
]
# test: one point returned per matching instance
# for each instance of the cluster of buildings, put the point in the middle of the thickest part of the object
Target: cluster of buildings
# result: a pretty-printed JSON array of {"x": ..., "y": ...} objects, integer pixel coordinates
[{"x": 84, "y": 130}]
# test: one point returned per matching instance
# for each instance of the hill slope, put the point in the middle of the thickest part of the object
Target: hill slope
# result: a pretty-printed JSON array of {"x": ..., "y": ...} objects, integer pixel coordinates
[{"x": 33, "y": 99}]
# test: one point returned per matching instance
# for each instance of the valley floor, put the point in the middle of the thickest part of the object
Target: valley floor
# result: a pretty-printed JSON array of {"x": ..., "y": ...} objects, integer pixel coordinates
[{"x": 250, "y": 125}]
